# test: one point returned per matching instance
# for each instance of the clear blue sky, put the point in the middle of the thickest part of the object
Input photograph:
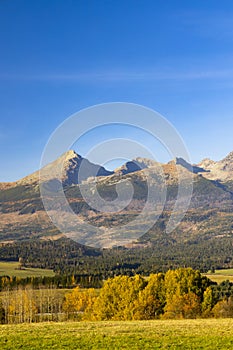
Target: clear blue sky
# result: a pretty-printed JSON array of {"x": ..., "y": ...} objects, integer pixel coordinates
[{"x": 57, "y": 57}]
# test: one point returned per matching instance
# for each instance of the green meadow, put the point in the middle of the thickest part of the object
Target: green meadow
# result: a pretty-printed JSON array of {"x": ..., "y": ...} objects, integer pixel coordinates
[
  {"x": 180, "y": 334},
  {"x": 220, "y": 275},
  {"x": 12, "y": 269}
]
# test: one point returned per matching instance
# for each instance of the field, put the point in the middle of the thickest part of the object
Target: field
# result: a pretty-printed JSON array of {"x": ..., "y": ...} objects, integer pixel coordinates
[
  {"x": 184, "y": 334},
  {"x": 11, "y": 269},
  {"x": 221, "y": 275}
]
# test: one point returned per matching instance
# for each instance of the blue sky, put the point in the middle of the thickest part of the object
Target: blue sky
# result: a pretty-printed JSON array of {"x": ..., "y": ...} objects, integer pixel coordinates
[{"x": 58, "y": 57}]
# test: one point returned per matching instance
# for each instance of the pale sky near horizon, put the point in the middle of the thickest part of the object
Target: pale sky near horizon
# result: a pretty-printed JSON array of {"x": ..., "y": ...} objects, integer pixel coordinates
[{"x": 58, "y": 57}]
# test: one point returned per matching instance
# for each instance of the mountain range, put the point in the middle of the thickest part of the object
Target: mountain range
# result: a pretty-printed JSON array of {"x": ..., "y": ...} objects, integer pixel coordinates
[{"x": 209, "y": 217}]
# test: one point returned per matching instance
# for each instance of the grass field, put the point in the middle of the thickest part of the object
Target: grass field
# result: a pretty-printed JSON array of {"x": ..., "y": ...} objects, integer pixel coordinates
[
  {"x": 184, "y": 334},
  {"x": 10, "y": 269},
  {"x": 220, "y": 275}
]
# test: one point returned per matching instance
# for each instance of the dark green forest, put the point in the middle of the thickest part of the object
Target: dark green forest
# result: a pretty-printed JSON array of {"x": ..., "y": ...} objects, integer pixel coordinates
[{"x": 67, "y": 257}]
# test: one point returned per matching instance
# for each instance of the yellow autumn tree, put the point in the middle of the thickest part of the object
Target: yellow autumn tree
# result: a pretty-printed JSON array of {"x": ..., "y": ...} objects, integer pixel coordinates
[
  {"x": 118, "y": 297},
  {"x": 22, "y": 306},
  {"x": 223, "y": 308},
  {"x": 184, "y": 289},
  {"x": 183, "y": 281},
  {"x": 208, "y": 302},
  {"x": 79, "y": 303},
  {"x": 151, "y": 299},
  {"x": 182, "y": 306}
]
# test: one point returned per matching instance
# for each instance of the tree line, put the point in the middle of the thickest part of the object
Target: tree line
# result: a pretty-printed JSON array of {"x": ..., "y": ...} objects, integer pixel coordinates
[
  {"x": 57, "y": 281},
  {"x": 176, "y": 294},
  {"x": 70, "y": 258}
]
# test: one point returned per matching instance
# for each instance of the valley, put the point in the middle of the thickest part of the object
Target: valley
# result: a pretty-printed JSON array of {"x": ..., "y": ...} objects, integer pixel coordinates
[{"x": 202, "y": 240}]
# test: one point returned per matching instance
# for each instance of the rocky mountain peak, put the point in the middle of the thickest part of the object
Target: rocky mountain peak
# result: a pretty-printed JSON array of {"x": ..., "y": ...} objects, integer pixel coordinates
[
  {"x": 228, "y": 160},
  {"x": 206, "y": 163},
  {"x": 67, "y": 167},
  {"x": 221, "y": 170},
  {"x": 146, "y": 163},
  {"x": 136, "y": 164},
  {"x": 128, "y": 167},
  {"x": 71, "y": 154}
]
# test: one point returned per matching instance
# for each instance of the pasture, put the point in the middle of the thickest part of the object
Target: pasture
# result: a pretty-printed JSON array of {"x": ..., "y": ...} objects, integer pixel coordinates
[
  {"x": 220, "y": 275},
  {"x": 11, "y": 269},
  {"x": 135, "y": 335}
]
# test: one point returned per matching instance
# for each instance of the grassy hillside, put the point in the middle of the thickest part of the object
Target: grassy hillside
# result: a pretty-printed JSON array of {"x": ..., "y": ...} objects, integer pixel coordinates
[
  {"x": 11, "y": 269},
  {"x": 186, "y": 334},
  {"x": 221, "y": 275}
]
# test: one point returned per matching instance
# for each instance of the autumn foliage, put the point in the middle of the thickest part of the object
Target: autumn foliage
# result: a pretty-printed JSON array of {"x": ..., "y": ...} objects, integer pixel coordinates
[{"x": 177, "y": 294}]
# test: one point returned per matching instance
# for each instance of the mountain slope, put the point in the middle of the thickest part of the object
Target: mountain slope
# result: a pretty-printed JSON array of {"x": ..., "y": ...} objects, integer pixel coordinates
[
  {"x": 221, "y": 170},
  {"x": 210, "y": 213},
  {"x": 69, "y": 165}
]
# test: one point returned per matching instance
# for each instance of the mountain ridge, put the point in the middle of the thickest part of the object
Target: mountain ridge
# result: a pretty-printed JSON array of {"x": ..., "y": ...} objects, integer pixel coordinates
[
  {"x": 221, "y": 170},
  {"x": 214, "y": 170},
  {"x": 22, "y": 214}
]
